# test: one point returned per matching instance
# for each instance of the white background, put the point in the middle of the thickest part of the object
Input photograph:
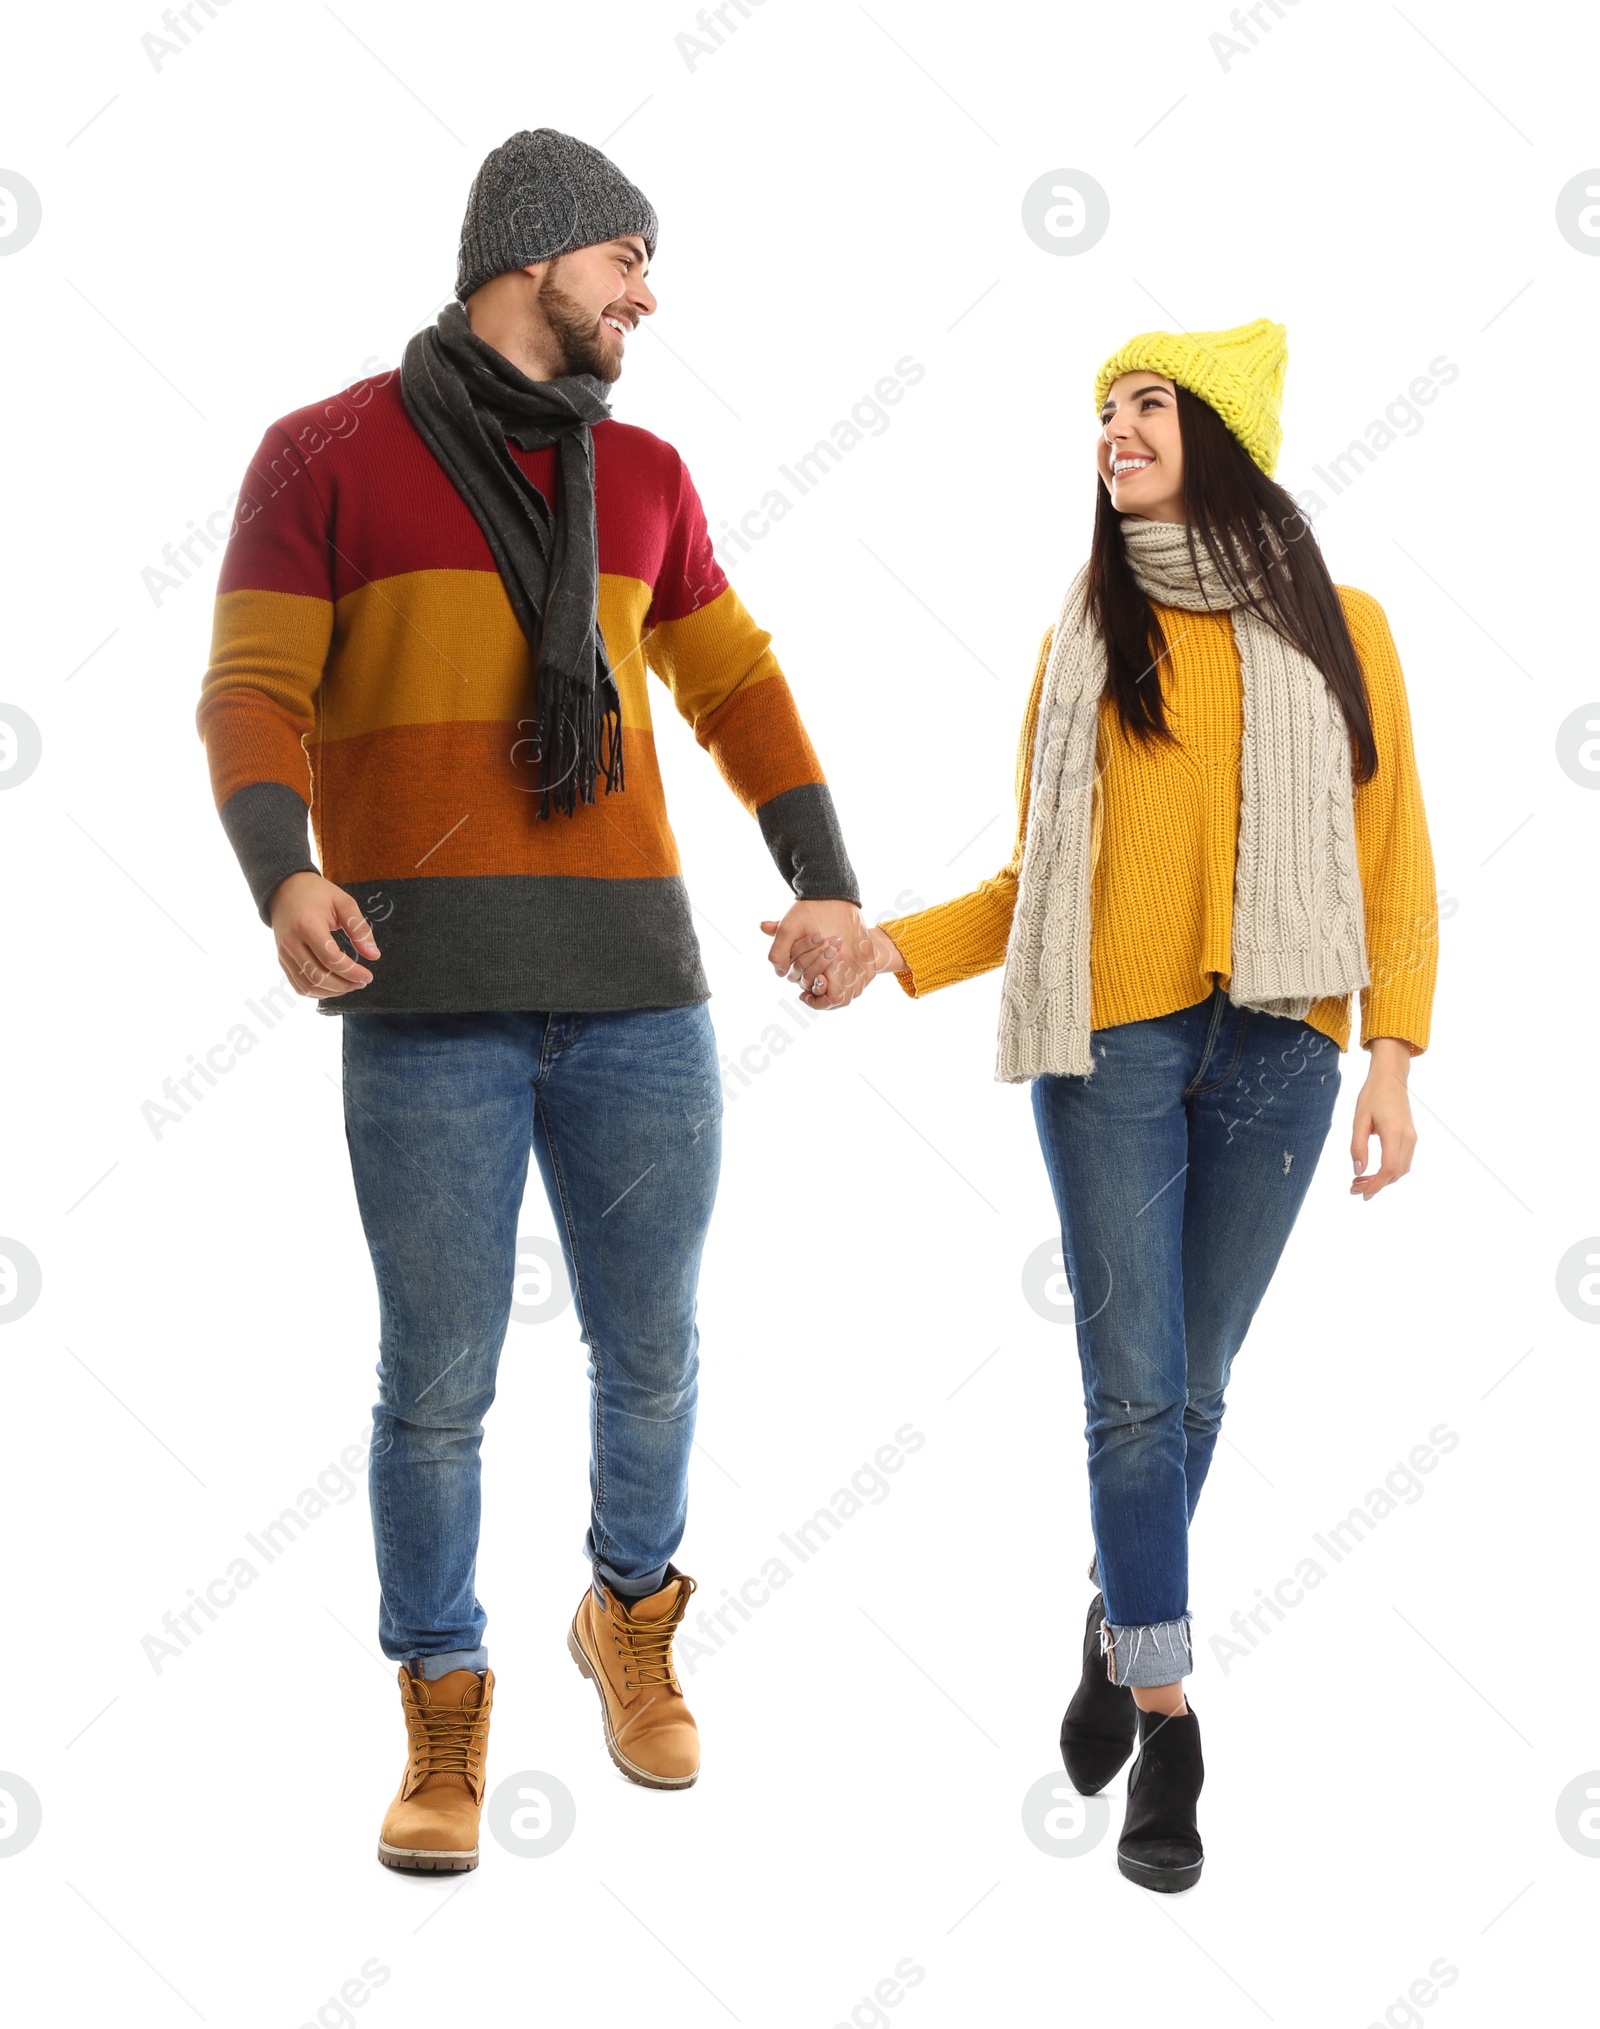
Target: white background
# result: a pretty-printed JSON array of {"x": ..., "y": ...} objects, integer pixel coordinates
[{"x": 234, "y": 234}]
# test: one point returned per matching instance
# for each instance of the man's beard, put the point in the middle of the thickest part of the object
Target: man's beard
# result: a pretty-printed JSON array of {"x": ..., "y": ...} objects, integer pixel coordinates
[{"x": 584, "y": 349}]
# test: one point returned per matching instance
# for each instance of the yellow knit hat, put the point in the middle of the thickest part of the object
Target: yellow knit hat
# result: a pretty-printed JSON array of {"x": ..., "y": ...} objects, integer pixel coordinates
[{"x": 1239, "y": 372}]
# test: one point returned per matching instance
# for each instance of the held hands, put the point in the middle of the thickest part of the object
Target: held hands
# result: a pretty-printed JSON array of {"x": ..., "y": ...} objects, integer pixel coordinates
[
  {"x": 1383, "y": 1107},
  {"x": 829, "y": 952},
  {"x": 305, "y": 912}
]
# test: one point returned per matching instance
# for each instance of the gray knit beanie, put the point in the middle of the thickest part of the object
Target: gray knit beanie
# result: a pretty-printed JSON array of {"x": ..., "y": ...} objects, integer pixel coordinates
[{"x": 539, "y": 194}]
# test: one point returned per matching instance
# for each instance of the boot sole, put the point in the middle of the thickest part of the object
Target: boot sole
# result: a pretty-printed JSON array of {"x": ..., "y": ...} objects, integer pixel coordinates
[
  {"x": 419, "y": 1860},
  {"x": 1164, "y": 1880},
  {"x": 630, "y": 1769}
]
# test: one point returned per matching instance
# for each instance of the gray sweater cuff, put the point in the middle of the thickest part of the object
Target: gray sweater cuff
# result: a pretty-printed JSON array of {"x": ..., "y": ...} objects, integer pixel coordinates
[
  {"x": 802, "y": 833},
  {"x": 266, "y": 826}
]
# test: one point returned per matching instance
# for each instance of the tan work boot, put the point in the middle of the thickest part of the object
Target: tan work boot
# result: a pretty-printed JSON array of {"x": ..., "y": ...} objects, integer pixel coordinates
[
  {"x": 432, "y": 1825},
  {"x": 624, "y": 1648}
]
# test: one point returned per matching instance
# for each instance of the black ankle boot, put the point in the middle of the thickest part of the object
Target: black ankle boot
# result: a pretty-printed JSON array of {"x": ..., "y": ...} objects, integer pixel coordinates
[
  {"x": 1102, "y": 1722},
  {"x": 1160, "y": 1844}
]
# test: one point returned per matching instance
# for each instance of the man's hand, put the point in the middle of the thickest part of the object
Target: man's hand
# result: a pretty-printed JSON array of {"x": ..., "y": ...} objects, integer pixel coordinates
[
  {"x": 824, "y": 946},
  {"x": 305, "y": 911},
  {"x": 1383, "y": 1107}
]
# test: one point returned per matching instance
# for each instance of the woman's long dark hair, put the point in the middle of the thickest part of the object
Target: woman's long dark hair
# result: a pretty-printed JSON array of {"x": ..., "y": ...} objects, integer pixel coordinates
[{"x": 1236, "y": 511}]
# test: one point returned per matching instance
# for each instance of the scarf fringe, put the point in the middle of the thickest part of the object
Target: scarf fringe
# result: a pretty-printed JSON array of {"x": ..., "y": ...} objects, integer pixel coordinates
[{"x": 588, "y": 746}]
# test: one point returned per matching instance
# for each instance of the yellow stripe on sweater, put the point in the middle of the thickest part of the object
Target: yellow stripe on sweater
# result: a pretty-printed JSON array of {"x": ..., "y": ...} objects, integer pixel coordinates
[
  {"x": 431, "y": 647},
  {"x": 707, "y": 655}
]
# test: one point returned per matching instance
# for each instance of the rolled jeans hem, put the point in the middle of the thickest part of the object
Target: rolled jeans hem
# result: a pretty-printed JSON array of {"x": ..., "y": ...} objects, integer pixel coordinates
[
  {"x": 628, "y": 1588},
  {"x": 431, "y": 1668},
  {"x": 1144, "y": 1656}
]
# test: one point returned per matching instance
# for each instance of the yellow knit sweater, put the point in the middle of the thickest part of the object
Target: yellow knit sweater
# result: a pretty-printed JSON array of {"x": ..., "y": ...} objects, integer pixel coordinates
[{"x": 1165, "y": 829}]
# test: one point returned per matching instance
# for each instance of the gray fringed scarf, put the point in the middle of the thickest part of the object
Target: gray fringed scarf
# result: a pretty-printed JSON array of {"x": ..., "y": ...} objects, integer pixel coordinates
[
  {"x": 466, "y": 398},
  {"x": 1299, "y": 929}
]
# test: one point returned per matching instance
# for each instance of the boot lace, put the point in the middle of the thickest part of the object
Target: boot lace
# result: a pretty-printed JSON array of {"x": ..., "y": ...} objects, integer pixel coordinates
[
  {"x": 446, "y": 1739},
  {"x": 648, "y": 1643}
]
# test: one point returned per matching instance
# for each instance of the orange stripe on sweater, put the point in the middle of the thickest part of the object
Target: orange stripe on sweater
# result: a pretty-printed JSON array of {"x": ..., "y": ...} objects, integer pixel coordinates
[
  {"x": 429, "y": 647},
  {"x": 452, "y": 800},
  {"x": 759, "y": 743}
]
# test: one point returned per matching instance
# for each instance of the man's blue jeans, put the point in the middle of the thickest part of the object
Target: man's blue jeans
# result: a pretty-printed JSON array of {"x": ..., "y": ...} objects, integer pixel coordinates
[
  {"x": 624, "y": 1112},
  {"x": 1178, "y": 1167}
]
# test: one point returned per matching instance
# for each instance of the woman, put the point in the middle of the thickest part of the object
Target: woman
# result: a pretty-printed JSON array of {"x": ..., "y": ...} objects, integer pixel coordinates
[{"x": 1220, "y": 838}]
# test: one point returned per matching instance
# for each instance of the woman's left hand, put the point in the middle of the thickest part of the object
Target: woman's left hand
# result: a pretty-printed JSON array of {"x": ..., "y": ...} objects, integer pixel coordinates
[{"x": 1384, "y": 1108}]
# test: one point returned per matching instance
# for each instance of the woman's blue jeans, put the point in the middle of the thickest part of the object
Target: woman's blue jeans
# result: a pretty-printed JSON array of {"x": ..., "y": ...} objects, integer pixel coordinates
[
  {"x": 624, "y": 1113},
  {"x": 1178, "y": 1167}
]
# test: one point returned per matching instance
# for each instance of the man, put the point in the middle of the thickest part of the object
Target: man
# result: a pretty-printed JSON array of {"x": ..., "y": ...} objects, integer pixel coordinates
[{"x": 433, "y": 624}]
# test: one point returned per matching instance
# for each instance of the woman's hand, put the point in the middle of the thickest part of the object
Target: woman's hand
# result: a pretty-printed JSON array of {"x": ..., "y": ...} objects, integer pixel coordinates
[
  {"x": 886, "y": 953},
  {"x": 843, "y": 968},
  {"x": 1384, "y": 1108}
]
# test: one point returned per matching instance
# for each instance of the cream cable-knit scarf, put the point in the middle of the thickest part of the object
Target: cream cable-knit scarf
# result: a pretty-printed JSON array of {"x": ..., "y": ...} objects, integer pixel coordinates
[{"x": 1299, "y": 931}]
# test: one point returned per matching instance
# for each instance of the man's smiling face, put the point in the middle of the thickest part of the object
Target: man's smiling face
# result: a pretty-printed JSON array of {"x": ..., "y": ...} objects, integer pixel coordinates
[{"x": 592, "y": 300}]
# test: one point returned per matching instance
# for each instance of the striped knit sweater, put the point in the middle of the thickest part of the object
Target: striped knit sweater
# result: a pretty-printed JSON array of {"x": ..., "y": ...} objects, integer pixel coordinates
[
  {"x": 1165, "y": 836},
  {"x": 366, "y": 666}
]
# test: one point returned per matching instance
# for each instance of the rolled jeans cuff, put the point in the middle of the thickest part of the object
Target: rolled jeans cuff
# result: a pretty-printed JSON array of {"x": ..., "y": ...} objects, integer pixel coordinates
[
  {"x": 1148, "y": 1655},
  {"x": 628, "y": 1589},
  {"x": 432, "y": 1668}
]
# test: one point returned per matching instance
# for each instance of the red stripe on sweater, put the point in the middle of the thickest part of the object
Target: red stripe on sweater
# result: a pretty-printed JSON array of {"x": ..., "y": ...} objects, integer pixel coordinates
[{"x": 343, "y": 492}]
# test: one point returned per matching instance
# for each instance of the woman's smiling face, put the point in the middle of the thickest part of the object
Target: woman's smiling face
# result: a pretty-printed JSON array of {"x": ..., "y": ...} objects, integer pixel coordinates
[{"x": 1139, "y": 450}]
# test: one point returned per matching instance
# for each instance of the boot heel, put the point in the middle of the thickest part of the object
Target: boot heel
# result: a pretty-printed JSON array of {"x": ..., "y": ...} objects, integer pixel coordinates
[{"x": 575, "y": 1650}]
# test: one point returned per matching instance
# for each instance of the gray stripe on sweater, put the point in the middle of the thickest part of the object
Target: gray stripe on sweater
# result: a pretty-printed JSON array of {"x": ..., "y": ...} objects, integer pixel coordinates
[
  {"x": 802, "y": 832},
  {"x": 266, "y": 826},
  {"x": 473, "y": 944}
]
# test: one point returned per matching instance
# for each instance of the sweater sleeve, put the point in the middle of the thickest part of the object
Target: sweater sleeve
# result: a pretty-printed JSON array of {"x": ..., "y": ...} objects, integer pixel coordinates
[
  {"x": 271, "y": 627},
  {"x": 958, "y": 939},
  {"x": 727, "y": 685},
  {"x": 1393, "y": 850}
]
